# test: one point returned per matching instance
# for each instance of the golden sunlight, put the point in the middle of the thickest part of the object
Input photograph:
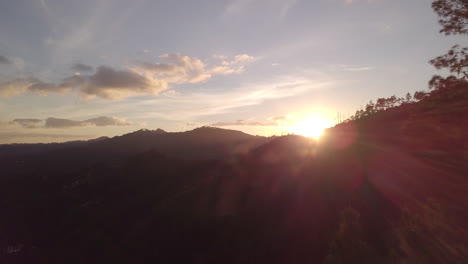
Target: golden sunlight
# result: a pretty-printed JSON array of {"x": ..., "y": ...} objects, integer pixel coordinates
[{"x": 312, "y": 127}]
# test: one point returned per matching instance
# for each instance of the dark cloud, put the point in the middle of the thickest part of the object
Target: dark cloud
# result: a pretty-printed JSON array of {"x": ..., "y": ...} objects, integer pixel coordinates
[
  {"x": 108, "y": 77},
  {"x": 114, "y": 84},
  {"x": 5, "y": 60},
  {"x": 106, "y": 83},
  {"x": 79, "y": 67},
  {"x": 244, "y": 123},
  {"x": 28, "y": 122},
  {"x": 52, "y": 122}
]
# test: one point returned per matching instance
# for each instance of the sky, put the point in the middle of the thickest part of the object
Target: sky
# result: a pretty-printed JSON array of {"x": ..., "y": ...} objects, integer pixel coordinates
[{"x": 75, "y": 70}]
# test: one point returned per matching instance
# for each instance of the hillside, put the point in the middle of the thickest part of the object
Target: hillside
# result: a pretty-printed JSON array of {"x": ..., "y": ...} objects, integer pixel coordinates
[{"x": 389, "y": 187}]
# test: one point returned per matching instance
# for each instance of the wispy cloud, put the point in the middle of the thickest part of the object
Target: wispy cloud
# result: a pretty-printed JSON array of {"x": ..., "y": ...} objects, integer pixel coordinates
[
  {"x": 191, "y": 106},
  {"x": 277, "y": 121},
  {"x": 235, "y": 65},
  {"x": 237, "y": 7},
  {"x": 287, "y": 5},
  {"x": 350, "y": 68},
  {"x": 358, "y": 1},
  {"x": 243, "y": 123},
  {"x": 358, "y": 68}
]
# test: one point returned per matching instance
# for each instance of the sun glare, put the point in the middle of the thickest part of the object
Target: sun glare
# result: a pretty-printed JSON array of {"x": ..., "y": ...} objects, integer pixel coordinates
[{"x": 312, "y": 127}]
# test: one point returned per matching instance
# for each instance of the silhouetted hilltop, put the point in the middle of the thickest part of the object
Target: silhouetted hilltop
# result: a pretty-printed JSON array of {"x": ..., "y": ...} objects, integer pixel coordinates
[
  {"x": 290, "y": 148},
  {"x": 434, "y": 128},
  {"x": 201, "y": 143},
  {"x": 10, "y": 150},
  {"x": 387, "y": 187}
]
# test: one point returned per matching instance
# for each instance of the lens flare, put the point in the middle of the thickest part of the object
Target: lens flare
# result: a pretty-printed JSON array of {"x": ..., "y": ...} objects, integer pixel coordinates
[{"x": 312, "y": 127}]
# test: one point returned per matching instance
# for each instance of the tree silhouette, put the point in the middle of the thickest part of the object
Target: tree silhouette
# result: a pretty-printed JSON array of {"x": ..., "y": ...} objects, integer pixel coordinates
[
  {"x": 453, "y": 16},
  {"x": 454, "y": 20},
  {"x": 408, "y": 98},
  {"x": 419, "y": 95},
  {"x": 456, "y": 61}
]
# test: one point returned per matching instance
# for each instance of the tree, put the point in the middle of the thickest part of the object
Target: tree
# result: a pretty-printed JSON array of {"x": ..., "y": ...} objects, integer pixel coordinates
[
  {"x": 438, "y": 83},
  {"x": 453, "y": 16},
  {"x": 456, "y": 61},
  {"x": 370, "y": 108},
  {"x": 380, "y": 105},
  {"x": 454, "y": 21},
  {"x": 419, "y": 95},
  {"x": 408, "y": 98}
]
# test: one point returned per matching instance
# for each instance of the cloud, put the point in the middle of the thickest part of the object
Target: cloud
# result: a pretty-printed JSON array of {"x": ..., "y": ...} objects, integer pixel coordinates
[
  {"x": 102, "y": 121},
  {"x": 279, "y": 8},
  {"x": 14, "y": 137},
  {"x": 358, "y": 68},
  {"x": 109, "y": 121},
  {"x": 244, "y": 123},
  {"x": 279, "y": 118},
  {"x": 144, "y": 78},
  {"x": 53, "y": 122},
  {"x": 194, "y": 105},
  {"x": 179, "y": 69},
  {"x": 5, "y": 60},
  {"x": 79, "y": 67},
  {"x": 14, "y": 88},
  {"x": 28, "y": 122},
  {"x": 236, "y": 6},
  {"x": 109, "y": 83},
  {"x": 348, "y": 2},
  {"x": 350, "y": 68},
  {"x": 225, "y": 70},
  {"x": 243, "y": 58},
  {"x": 33, "y": 85},
  {"x": 43, "y": 88},
  {"x": 274, "y": 121},
  {"x": 235, "y": 65}
]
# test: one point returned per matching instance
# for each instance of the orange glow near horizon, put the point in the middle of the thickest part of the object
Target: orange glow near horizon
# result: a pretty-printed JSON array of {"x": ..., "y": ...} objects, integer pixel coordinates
[{"x": 312, "y": 127}]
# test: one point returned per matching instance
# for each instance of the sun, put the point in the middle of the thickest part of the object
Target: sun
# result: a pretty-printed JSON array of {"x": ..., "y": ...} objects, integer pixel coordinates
[{"x": 312, "y": 127}]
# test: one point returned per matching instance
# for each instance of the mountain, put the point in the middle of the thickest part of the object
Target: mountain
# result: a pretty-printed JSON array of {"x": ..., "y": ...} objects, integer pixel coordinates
[
  {"x": 199, "y": 144},
  {"x": 16, "y": 150},
  {"x": 389, "y": 187}
]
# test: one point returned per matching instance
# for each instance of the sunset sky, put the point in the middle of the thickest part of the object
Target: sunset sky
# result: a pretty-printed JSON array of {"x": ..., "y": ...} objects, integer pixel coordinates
[{"x": 83, "y": 69}]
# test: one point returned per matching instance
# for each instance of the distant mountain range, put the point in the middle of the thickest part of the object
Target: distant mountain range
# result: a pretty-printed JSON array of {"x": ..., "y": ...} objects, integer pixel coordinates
[{"x": 386, "y": 188}]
